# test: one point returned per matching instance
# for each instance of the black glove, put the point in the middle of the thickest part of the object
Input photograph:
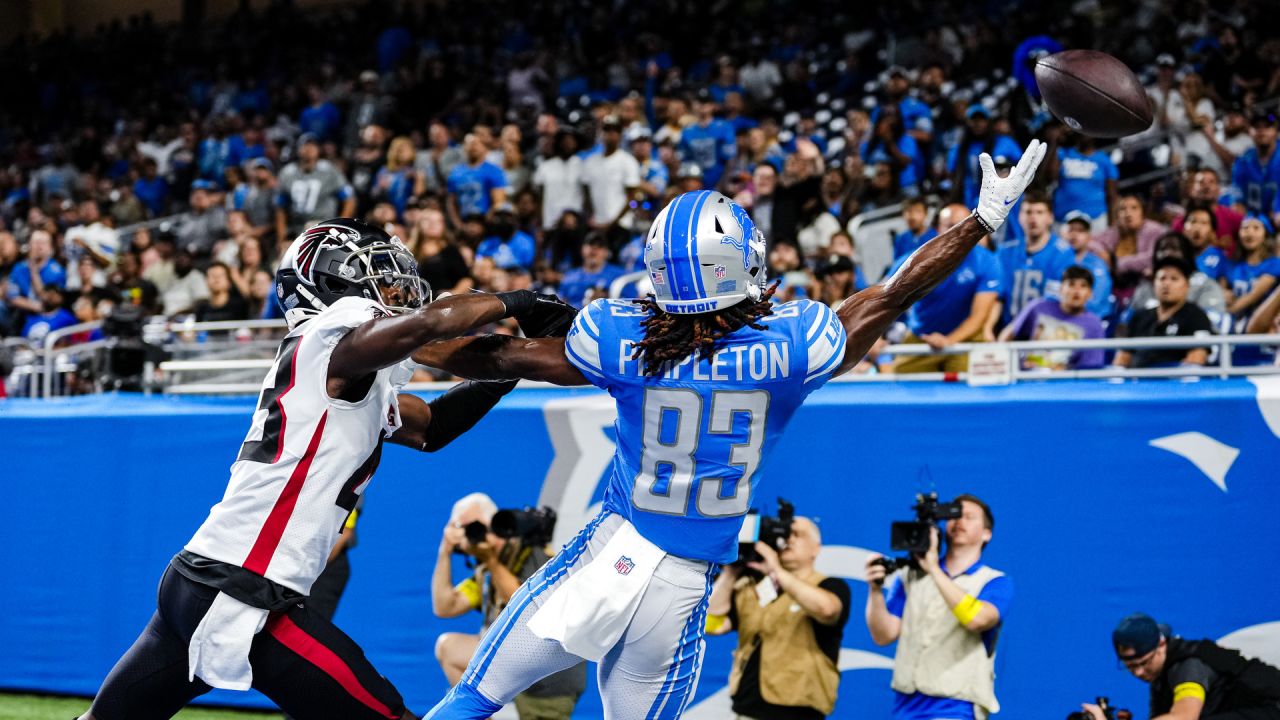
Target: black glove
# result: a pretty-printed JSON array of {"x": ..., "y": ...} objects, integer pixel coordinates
[{"x": 548, "y": 317}]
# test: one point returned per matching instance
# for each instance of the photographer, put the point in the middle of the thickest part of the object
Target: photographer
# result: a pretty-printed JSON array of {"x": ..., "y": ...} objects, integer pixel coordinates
[
  {"x": 790, "y": 624},
  {"x": 501, "y": 565},
  {"x": 945, "y": 615},
  {"x": 1193, "y": 679}
]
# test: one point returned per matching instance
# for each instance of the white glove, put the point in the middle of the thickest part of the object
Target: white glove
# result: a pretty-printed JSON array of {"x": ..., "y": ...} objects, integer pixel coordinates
[{"x": 998, "y": 194}]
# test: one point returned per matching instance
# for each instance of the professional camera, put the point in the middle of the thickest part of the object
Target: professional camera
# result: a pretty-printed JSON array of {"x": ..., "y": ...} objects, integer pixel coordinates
[
  {"x": 772, "y": 531},
  {"x": 913, "y": 536},
  {"x": 534, "y": 526},
  {"x": 1110, "y": 712}
]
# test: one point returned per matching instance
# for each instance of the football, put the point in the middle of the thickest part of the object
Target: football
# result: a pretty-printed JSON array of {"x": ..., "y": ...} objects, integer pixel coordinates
[{"x": 1093, "y": 93}]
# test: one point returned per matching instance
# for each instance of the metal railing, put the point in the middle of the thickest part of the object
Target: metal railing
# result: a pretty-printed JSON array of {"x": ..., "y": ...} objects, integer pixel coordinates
[
  {"x": 40, "y": 367},
  {"x": 172, "y": 370}
]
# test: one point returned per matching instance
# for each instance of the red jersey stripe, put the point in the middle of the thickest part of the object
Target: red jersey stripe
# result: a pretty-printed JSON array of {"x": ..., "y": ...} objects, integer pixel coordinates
[
  {"x": 311, "y": 650},
  {"x": 272, "y": 530}
]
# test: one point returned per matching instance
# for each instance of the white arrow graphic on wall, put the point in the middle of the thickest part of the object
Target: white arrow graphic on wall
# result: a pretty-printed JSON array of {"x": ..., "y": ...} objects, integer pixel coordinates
[{"x": 1209, "y": 456}]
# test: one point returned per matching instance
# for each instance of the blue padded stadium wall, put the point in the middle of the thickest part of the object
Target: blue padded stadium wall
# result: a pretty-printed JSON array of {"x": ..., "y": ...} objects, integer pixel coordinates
[{"x": 1109, "y": 498}]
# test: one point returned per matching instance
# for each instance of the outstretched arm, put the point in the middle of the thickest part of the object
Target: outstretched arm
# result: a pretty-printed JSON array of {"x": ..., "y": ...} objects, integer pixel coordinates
[
  {"x": 502, "y": 357},
  {"x": 868, "y": 314},
  {"x": 385, "y": 341},
  {"x": 429, "y": 426}
]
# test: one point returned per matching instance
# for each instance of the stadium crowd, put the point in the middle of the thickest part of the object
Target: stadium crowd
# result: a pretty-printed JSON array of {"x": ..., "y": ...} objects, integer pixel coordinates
[{"x": 530, "y": 145}]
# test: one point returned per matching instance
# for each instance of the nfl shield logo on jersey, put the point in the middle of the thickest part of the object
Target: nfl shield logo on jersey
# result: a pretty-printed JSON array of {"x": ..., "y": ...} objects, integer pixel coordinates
[
  {"x": 721, "y": 271},
  {"x": 624, "y": 565}
]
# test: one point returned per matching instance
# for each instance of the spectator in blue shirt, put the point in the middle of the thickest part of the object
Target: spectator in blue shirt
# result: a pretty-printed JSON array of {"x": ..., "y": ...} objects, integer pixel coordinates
[
  {"x": 51, "y": 316},
  {"x": 475, "y": 185},
  {"x": 955, "y": 311},
  {"x": 915, "y": 213},
  {"x": 509, "y": 248},
  {"x": 1078, "y": 234},
  {"x": 1256, "y": 174},
  {"x": 398, "y": 180},
  {"x": 962, "y": 159},
  {"x": 591, "y": 280},
  {"x": 219, "y": 151},
  {"x": 890, "y": 144},
  {"x": 709, "y": 143},
  {"x": 654, "y": 176},
  {"x": 1200, "y": 225},
  {"x": 27, "y": 280},
  {"x": 321, "y": 117},
  {"x": 1086, "y": 181},
  {"x": 1034, "y": 264},
  {"x": 915, "y": 115},
  {"x": 1252, "y": 277},
  {"x": 151, "y": 189}
]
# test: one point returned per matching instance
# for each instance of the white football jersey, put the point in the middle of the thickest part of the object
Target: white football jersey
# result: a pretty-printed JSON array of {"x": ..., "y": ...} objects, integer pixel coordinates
[{"x": 307, "y": 457}]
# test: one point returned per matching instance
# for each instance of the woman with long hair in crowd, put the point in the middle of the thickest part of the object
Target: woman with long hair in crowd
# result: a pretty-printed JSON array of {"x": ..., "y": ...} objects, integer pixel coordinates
[
  {"x": 441, "y": 262},
  {"x": 1251, "y": 277},
  {"x": 397, "y": 180}
]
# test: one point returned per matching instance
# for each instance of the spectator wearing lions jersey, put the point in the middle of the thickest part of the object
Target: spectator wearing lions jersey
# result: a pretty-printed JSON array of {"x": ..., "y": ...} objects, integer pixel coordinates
[
  {"x": 233, "y": 607},
  {"x": 309, "y": 190}
]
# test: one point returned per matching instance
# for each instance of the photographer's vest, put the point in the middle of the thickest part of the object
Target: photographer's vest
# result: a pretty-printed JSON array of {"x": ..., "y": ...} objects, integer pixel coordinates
[
  {"x": 793, "y": 669},
  {"x": 1241, "y": 683},
  {"x": 936, "y": 654}
]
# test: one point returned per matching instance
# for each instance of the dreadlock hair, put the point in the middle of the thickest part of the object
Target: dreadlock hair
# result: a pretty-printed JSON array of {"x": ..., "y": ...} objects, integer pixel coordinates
[{"x": 669, "y": 337}]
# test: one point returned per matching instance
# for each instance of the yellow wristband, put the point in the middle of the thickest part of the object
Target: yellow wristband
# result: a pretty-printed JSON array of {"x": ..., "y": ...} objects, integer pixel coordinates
[
  {"x": 967, "y": 609},
  {"x": 1188, "y": 690},
  {"x": 715, "y": 622},
  {"x": 470, "y": 590}
]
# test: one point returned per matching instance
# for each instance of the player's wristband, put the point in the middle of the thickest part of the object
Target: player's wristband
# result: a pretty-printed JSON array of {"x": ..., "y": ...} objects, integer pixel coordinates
[
  {"x": 967, "y": 609},
  {"x": 986, "y": 226},
  {"x": 517, "y": 302},
  {"x": 715, "y": 622}
]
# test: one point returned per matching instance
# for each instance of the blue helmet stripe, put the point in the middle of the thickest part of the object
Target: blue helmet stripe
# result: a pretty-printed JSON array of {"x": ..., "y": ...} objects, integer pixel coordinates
[
  {"x": 666, "y": 245},
  {"x": 678, "y": 246},
  {"x": 695, "y": 269}
]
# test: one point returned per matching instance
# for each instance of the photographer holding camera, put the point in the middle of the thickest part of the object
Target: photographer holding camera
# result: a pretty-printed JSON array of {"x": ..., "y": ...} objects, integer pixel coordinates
[
  {"x": 503, "y": 560},
  {"x": 1193, "y": 679},
  {"x": 945, "y": 614},
  {"x": 790, "y": 623}
]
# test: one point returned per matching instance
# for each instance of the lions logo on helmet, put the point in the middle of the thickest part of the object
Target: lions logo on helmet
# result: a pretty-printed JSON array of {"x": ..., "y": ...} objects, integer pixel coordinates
[
  {"x": 347, "y": 258},
  {"x": 704, "y": 254}
]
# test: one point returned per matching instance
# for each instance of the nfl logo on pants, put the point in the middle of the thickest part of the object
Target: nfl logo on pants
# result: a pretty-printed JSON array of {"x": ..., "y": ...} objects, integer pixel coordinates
[{"x": 624, "y": 565}]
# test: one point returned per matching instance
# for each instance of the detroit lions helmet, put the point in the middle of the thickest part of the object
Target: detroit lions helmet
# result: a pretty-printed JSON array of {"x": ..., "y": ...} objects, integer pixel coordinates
[
  {"x": 704, "y": 254},
  {"x": 347, "y": 258}
]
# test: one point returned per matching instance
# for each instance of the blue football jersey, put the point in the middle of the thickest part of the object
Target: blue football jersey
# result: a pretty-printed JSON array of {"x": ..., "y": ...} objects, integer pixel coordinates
[{"x": 693, "y": 439}]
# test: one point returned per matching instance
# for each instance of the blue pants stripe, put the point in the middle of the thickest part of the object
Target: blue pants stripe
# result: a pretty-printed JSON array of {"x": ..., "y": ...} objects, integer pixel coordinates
[{"x": 691, "y": 627}]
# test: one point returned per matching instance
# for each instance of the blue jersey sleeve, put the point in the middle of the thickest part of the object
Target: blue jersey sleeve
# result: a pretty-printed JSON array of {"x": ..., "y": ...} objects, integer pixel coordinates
[
  {"x": 583, "y": 345},
  {"x": 1270, "y": 266},
  {"x": 896, "y": 598},
  {"x": 601, "y": 341},
  {"x": 1109, "y": 169},
  {"x": 824, "y": 342},
  {"x": 495, "y": 179},
  {"x": 999, "y": 593},
  {"x": 990, "y": 274}
]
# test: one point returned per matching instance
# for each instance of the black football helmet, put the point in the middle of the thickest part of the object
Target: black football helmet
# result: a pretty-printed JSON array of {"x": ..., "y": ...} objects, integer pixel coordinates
[{"x": 347, "y": 258}]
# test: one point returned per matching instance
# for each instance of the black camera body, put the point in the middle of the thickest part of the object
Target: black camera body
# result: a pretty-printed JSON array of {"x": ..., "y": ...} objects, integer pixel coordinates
[
  {"x": 772, "y": 531},
  {"x": 912, "y": 536},
  {"x": 1111, "y": 713},
  {"x": 534, "y": 526}
]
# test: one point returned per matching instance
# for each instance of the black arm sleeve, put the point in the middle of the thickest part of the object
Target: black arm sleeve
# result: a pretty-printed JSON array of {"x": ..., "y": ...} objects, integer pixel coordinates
[{"x": 459, "y": 409}]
